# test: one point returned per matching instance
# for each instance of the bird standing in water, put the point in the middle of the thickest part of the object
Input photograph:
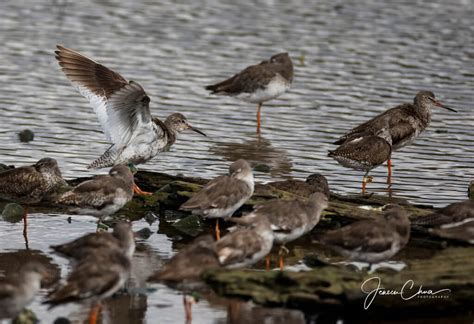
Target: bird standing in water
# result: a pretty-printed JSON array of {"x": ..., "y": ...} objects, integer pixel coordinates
[
  {"x": 258, "y": 83},
  {"x": 364, "y": 153},
  {"x": 405, "y": 123}
]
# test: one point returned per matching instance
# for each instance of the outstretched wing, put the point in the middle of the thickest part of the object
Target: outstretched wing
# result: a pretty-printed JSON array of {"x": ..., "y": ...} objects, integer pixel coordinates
[{"x": 121, "y": 106}]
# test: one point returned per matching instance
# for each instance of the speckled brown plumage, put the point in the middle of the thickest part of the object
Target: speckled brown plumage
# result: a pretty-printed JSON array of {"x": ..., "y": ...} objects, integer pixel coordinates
[
  {"x": 31, "y": 184},
  {"x": 405, "y": 122},
  {"x": 102, "y": 195},
  {"x": 365, "y": 152}
]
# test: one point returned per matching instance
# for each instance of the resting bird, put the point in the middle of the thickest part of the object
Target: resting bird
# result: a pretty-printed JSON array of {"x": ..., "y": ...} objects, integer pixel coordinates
[
  {"x": 258, "y": 83},
  {"x": 222, "y": 196},
  {"x": 31, "y": 184},
  {"x": 19, "y": 290},
  {"x": 123, "y": 110},
  {"x": 291, "y": 219},
  {"x": 372, "y": 240},
  {"x": 405, "y": 123},
  {"x": 96, "y": 277},
  {"x": 101, "y": 196},
  {"x": 121, "y": 239},
  {"x": 245, "y": 245}
]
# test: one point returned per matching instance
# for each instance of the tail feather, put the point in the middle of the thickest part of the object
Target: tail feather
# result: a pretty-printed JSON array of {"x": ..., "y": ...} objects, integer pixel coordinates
[{"x": 105, "y": 160}]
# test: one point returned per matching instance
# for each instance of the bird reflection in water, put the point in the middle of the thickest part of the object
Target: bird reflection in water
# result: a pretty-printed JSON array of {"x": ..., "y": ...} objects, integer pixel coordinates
[{"x": 259, "y": 151}]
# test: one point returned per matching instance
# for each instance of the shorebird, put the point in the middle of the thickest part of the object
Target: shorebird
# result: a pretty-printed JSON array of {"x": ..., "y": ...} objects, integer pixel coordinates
[
  {"x": 258, "y": 83},
  {"x": 314, "y": 183},
  {"x": 122, "y": 108},
  {"x": 31, "y": 184},
  {"x": 190, "y": 262},
  {"x": 18, "y": 290},
  {"x": 187, "y": 266},
  {"x": 405, "y": 123},
  {"x": 373, "y": 240},
  {"x": 96, "y": 277},
  {"x": 222, "y": 196},
  {"x": 245, "y": 245},
  {"x": 291, "y": 219},
  {"x": 455, "y": 221},
  {"x": 364, "y": 152},
  {"x": 103, "y": 195},
  {"x": 121, "y": 239}
]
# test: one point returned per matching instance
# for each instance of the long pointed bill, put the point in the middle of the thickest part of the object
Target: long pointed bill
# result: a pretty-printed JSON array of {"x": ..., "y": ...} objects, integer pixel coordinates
[
  {"x": 196, "y": 130},
  {"x": 439, "y": 104}
]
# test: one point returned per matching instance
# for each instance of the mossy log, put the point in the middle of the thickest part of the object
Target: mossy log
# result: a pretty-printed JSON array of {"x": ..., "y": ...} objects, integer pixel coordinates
[{"x": 449, "y": 271}]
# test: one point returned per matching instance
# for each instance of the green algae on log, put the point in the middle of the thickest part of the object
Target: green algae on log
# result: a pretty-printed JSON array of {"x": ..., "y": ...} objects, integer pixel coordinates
[{"x": 449, "y": 271}]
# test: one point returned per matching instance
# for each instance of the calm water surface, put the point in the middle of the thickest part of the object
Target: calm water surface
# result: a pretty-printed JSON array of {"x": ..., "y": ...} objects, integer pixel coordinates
[{"x": 352, "y": 60}]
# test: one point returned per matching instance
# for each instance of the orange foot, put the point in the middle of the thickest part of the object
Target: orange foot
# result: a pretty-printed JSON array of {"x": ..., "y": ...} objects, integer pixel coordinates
[{"x": 138, "y": 191}]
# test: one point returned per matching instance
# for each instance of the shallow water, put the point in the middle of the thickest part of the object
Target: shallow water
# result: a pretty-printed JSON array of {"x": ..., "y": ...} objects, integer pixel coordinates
[{"x": 352, "y": 61}]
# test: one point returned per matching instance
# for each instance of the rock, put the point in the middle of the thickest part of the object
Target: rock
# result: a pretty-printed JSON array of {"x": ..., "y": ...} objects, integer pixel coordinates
[
  {"x": 190, "y": 225},
  {"x": 26, "y": 316},
  {"x": 12, "y": 213},
  {"x": 26, "y": 136}
]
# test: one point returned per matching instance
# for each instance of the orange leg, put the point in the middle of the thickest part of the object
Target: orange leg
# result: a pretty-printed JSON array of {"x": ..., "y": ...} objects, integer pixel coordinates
[
  {"x": 218, "y": 232},
  {"x": 94, "y": 313},
  {"x": 281, "y": 262},
  {"x": 366, "y": 179},
  {"x": 138, "y": 191},
  {"x": 258, "y": 118},
  {"x": 389, "y": 175},
  {"x": 267, "y": 262},
  {"x": 25, "y": 225}
]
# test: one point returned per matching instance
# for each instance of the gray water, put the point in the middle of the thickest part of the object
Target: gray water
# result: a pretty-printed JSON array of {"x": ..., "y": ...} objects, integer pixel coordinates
[{"x": 352, "y": 60}]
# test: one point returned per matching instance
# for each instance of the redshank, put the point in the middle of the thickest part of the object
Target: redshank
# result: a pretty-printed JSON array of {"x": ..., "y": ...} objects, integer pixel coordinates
[
  {"x": 96, "y": 277},
  {"x": 222, "y": 196},
  {"x": 455, "y": 221},
  {"x": 245, "y": 245},
  {"x": 373, "y": 240},
  {"x": 101, "y": 196},
  {"x": 18, "y": 290},
  {"x": 31, "y": 184},
  {"x": 291, "y": 219},
  {"x": 364, "y": 152},
  {"x": 314, "y": 183},
  {"x": 405, "y": 123},
  {"x": 123, "y": 110},
  {"x": 190, "y": 262},
  {"x": 258, "y": 83},
  {"x": 120, "y": 239}
]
